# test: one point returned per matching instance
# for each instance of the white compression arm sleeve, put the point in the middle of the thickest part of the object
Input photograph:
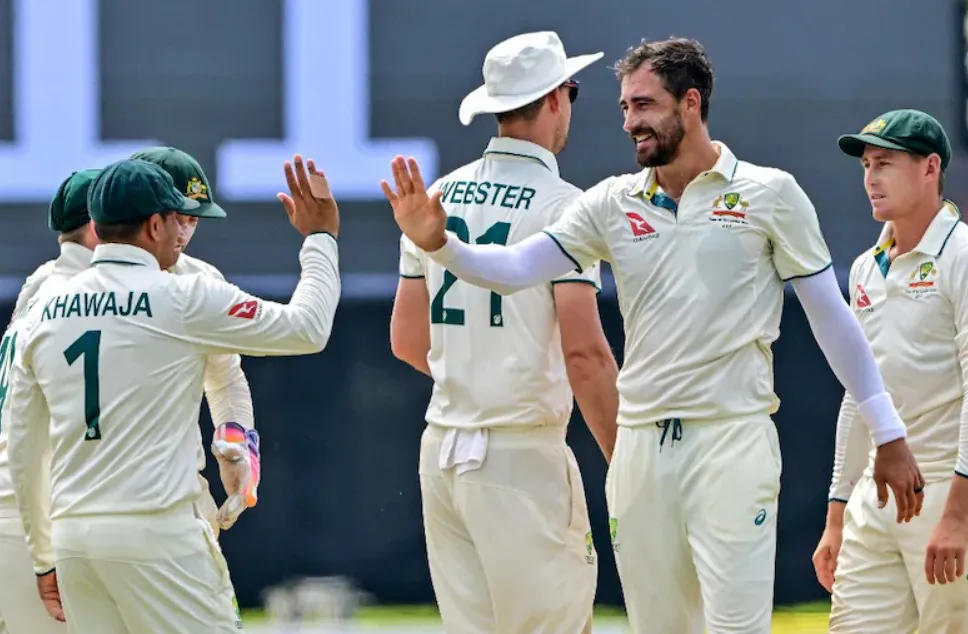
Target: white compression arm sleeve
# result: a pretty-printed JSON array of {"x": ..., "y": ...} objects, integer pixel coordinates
[
  {"x": 850, "y": 451},
  {"x": 849, "y": 354},
  {"x": 504, "y": 270}
]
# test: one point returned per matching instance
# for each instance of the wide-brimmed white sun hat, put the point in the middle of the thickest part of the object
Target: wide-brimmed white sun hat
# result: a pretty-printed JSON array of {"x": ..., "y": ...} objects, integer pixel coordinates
[{"x": 519, "y": 70}]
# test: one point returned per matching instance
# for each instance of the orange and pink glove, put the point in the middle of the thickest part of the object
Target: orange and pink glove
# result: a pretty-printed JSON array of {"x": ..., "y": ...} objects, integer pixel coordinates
[{"x": 237, "y": 451}]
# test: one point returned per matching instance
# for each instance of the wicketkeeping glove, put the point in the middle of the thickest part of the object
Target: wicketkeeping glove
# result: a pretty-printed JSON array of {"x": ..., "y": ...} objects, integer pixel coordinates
[{"x": 237, "y": 451}]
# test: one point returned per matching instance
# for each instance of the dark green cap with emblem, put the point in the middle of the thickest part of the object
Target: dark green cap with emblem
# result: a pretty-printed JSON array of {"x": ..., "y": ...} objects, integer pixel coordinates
[
  {"x": 905, "y": 130},
  {"x": 188, "y": 175},
  {"x": 132, "y": 190},
  {"x": 68, "y": 208}
]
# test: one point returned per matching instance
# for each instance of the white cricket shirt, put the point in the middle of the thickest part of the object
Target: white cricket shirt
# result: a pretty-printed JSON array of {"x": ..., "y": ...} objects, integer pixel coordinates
[
  {"x": 914, "y": 312},
  {"x": 115, "y": 361},
  {"x": 700, "y": 284},
  {"x": 497, "y": 361},
  {"x": 226, "y": 388},
  {"x": 73, "y": 259}
]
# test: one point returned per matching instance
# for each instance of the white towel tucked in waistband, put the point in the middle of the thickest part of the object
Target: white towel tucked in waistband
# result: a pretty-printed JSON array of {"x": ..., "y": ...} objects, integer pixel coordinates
[{"x": 464, "y": 449}]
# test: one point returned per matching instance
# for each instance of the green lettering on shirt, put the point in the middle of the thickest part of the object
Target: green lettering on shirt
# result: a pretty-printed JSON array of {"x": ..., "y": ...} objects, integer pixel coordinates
[{"x": 97, "y": 305}]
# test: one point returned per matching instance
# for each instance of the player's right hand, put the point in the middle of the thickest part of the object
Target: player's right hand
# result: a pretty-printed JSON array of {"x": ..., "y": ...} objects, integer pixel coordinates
[
  {"x": 310, "y": 203},
  {"x": 944, "y": 561},
  {"x": 50, "y": 595},
  {"x": 420, "y": 217},
  {"x": 896, "y": 468},
  {"x": 236, "y": 450},
  {"x": 825, "y": 556}
]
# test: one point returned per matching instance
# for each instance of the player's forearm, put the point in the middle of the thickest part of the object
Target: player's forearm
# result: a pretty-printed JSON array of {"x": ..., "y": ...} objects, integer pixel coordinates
[
  {"x": 317, "y": 294},
  {"x": 504, "y": 270},
  {"x": 221, "y": 319},
  {"x": 851, "y": 451},
  {"x": 835, "y": 514},
  {"x": 593, "y": 378},
  {"x": 849, "y": 354},
  {"x": 231, "y": 402},
  {"x": 30, "y": 475},
  {"x": 956, "y": 507}
]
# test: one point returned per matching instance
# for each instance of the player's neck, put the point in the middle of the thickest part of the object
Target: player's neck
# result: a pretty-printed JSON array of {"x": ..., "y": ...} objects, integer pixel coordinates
[
  {"x": 696, "y": 155},
  {"x": 908, "y": 230},
  {"x": 529, "y": 133}
]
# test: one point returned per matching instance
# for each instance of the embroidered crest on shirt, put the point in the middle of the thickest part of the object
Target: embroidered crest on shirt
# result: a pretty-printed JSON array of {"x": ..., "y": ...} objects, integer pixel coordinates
[
  {"x": 729, "y": 209},
  {"x": 922, "y": 280}
]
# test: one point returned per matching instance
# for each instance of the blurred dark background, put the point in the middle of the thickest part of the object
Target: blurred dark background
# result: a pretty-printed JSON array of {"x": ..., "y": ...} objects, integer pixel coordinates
[{"x": 244, "y": 84}]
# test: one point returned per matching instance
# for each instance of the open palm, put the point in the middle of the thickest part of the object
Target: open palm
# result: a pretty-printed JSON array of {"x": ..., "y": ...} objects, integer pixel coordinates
[{"x": 420, "y": 217}]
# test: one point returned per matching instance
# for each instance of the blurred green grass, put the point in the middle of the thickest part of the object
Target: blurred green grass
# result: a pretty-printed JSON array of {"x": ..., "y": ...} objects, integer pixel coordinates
[{"x": 807, "y": 618}]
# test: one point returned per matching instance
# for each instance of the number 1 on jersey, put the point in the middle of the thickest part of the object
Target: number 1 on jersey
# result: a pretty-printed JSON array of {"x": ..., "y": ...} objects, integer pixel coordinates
[
  {"x": 439, "y": 314},
  {"x": 88, "y": 346}
]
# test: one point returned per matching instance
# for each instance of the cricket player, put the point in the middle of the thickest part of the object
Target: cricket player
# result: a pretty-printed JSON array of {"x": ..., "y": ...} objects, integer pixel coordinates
[
  {"x": 226, "y": 388},
  {"x": 700, "y": 243},
  {"x": 22, "y": 611},
  {"x": 109, "y": 371},
  {"x": 505, "y": 518},
  {"x": 910, "y": 295}
]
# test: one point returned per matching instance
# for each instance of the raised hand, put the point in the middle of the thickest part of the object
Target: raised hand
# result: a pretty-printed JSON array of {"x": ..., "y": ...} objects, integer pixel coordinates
[
  {"x": 421, "y": 217},
  {"x": 309, "y": 203}
]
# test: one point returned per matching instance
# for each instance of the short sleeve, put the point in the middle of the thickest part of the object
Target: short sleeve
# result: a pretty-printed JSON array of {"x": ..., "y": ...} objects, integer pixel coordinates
[
  {"x": 799, "y": 249},
  {"x": 411, "y": 259},
  {"x": 579, "y": 233},
  {"x": 592, "y": 275}
]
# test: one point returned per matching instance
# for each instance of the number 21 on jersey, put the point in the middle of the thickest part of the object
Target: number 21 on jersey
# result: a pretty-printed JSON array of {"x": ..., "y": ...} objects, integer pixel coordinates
[{"x": 440, "y": 314}]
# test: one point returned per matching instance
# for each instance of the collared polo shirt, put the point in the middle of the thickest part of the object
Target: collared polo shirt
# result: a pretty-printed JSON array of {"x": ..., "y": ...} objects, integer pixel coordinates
[
  {"x": 914, "y": 312},
  {"x": 700, "y": 283},
  {"x": 497, "y": 361}
]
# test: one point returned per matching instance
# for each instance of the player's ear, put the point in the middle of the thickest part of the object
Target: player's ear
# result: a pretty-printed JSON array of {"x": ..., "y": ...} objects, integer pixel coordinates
[
  {"x": 553, "y": 100},
  {"x": 92, "y": 240},
  {"x": 692, "y": 101},
  {"x": 153, "y": 227},
  {"x": 932, "y": 166}
]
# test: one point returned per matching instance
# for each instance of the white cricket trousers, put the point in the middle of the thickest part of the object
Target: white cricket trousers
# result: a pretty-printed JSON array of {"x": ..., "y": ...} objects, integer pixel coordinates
[
  {"x": 162, "y": 573},
  {"x": 509, "y": 544},
  {"x": 21, "y": 610},
  {"x": 692, "y": 511},
  {"x": 880, "y": 585}
]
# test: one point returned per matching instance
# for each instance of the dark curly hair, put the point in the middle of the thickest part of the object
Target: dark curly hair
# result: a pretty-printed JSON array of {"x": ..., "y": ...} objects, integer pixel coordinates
[{"x": 679, "y": 62}]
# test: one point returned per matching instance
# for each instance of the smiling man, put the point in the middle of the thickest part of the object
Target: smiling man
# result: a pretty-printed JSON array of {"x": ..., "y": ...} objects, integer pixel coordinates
[
  {"x": 700, "y": 243},
  {"x": 910, "y": 294}
]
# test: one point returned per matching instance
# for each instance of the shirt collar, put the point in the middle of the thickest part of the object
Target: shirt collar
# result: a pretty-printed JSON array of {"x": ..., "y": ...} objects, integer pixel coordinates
[
  {"x": 73, "y": 259},
  {"x": 725, "y": 166},
  {"x": 124, "y": 255},
  {"x": 506, "y": 146},
  {"x": 934, "y": 239}
]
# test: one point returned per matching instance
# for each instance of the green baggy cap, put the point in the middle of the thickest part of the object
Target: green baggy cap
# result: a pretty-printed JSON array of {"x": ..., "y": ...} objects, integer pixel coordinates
[
  {"x": 132, "y": 189},
  {"x": 905, "y": 130},
  {"x": 68, "y": 209},
  {"x": 188, "y": 175}
]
